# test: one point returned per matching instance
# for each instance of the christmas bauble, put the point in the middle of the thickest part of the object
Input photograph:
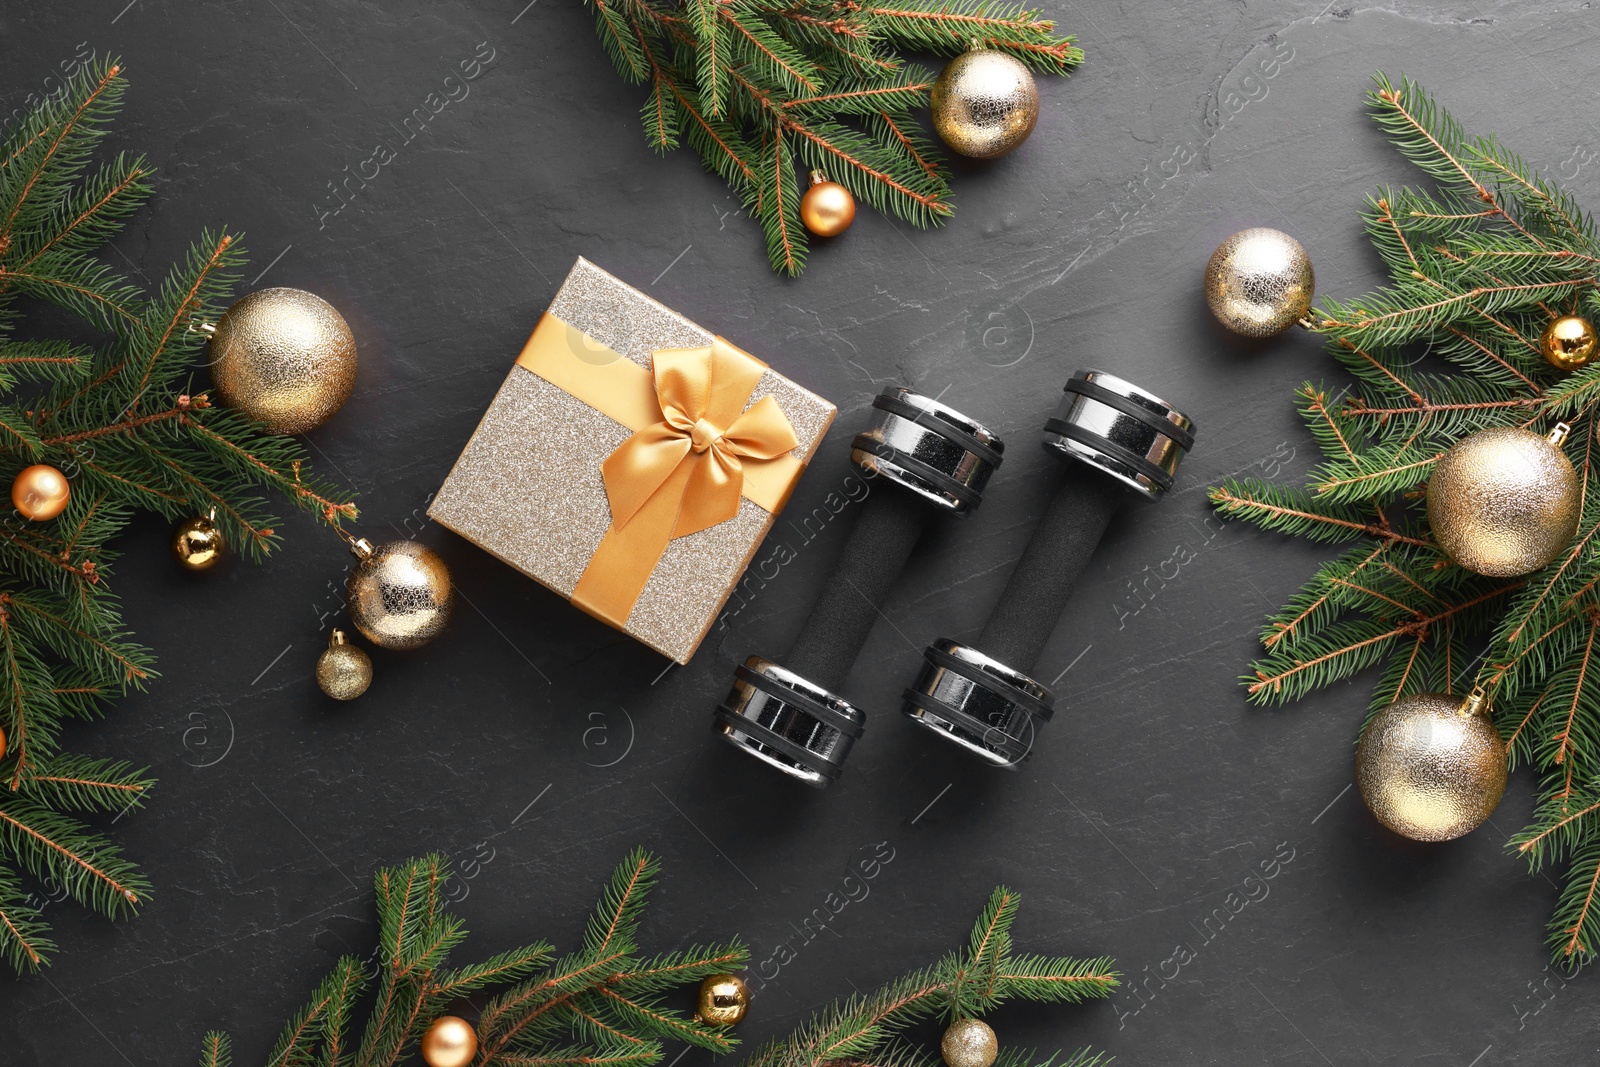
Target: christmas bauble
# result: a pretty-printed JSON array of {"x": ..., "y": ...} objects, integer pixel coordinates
[
  {"x": 197, "y": 544},
  {"x": 724, "y": 1000},
  {"x": 1259, "y": 282},
  {"x": 343, "y": 670},
  {"x": 1569, "y": 342},
  {"x": 40, "y": 492},
  {"x": 827, "y": 208},
  {"x": 285, "y": 358},
  {"x": 399, "y": 593},
  {"x": 1432, "y": 766},
  {"x": 449, "y": 1042},
  {"x": 2, "y": 744},
  {"x": 984, "y": 103},
  {"x": 969, "y": 1043},
  {"x": 1504, "y": 501}
]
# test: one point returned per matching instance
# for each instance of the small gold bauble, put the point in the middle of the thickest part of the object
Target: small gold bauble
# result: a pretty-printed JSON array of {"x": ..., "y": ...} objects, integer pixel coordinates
[
  {"x": 399, "y": 593},
  {"x": 40, "y": 492},
  {"x": 1259, "y": 282},
  {"x": 1432, "y": 766},
  {"x": 1569, "y": 342},
  {"x": 2, "y": 744},
  {"x": 1503, "y": 501},
  {"x": 197, "y": 544},
  {"x": 827, "y": 208},
  {"x": 969, "y": 1043},
  {"x": 343, "y": 670},
  {"x": 285, "y": 358},
  {"x": 984, "y": 103},
  {"x": 724, "y": 1000},
  {"x": 449, "y": 1042}
]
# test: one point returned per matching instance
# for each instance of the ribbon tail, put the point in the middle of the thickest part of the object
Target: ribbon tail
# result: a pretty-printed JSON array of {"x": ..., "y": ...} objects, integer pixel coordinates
[{"x": 627, "y": 555}]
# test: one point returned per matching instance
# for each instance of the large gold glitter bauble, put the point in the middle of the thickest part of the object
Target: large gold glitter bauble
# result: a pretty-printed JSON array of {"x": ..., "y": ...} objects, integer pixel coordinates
[
  {"x": 1504, "y": 501},
  {"x": 197, "y": 544},
  {"x": 827, "y": 208},
  {"x": 969, "y": 1043},
  {"x": 1259, "y": 282},
  {"x": 343, "y": 670},
  {"x": 40, "y": 492},
  {"x": 724, "y": 1000},
  {"x": 285, "y": 358},
  {"x": 449, "y": 1042},
  {"x": 399, "y": 593},
  {"x": 1432, "y": 766},
  {"x": 1569, "y": 342},
  {"x": 984, "y": 103}
]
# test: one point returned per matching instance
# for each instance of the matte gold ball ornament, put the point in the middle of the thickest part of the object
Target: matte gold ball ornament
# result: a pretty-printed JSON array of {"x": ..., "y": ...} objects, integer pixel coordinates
[
  {"x": 1259, "y": 282},
  {"x": 1569, "y": 343},
  {"x": 969, "y": 1043},
  {"x": 197, "y": 544},
  {"x": 1432, "y": 766},
  {"x": 40, "y": 492},
  {"x": 399, "y": 593},
  {"x": 284, "y": 357},
  {"x": 1504, "y": 501},
  {"x": 827, "y": 208},
  {"x": 343, "y": 670},
  {"x": 724, "y": 1000},
  {"x": 449, "y": 1041},
  {"x": 984, "y": 103}
]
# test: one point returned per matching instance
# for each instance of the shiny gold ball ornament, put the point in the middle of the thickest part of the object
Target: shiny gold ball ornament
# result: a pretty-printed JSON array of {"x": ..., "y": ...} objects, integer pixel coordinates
[
  {"x": 827, "y": 208},
  {"x": 724, "y": 1000},
  {"x": 1431, "y": 766},
  {"x": 1569, "y": 343},
  {"x": 399, "y": 593},
  {"x": 1504, "y": 501},
  {"x": 343, "y": 670},
  {"x": 969, "y": 1043},
  {"x": 984, "y": 103},
  {"x": 197, "y": 544},
  {"x": 285, "y": 358},
  {"x": 449, "y": 1042},
  {"x": 40, "y": 492},
  {"x": 1259, "y": 282}
]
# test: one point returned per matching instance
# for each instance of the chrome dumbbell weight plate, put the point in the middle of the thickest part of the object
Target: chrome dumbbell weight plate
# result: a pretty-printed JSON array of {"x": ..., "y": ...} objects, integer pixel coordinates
[
  {"x": 932, "y": 450},
  {"x": 978, "y": 702},
  {"x": 1130, "y": 434},
  {"x": 787, "y": 722}
]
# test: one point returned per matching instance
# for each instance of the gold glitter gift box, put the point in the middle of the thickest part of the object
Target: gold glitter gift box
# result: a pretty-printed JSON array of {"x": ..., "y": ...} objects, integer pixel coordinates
[{"x": 632, "y": 462}]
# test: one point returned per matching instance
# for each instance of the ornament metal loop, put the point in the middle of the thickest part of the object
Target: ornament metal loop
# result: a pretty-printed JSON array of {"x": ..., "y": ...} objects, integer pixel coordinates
[
  {"x": 1558, "y": 433},
  {"x": 1120, "y": 429},
  {"x": 931, "y": 449},
  {"x": 1476, "y": 701}
]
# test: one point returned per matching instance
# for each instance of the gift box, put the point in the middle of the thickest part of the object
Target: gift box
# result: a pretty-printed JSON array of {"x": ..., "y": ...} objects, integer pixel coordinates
[{"x": 632, "y": 461}]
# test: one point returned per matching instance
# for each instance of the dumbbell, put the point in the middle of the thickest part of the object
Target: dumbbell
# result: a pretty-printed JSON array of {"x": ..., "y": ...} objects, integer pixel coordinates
[
  {"x": 1114, "y": 437},
  {"x": 930, "y": 461}
]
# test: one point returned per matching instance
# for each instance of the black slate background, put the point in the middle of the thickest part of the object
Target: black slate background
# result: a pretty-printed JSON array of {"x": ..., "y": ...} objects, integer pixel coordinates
[{"x": 543, "y": 745}]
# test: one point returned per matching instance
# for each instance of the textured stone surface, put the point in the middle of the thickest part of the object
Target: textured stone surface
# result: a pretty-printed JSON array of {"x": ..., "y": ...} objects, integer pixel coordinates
[{"x": 1156, "y": 791}]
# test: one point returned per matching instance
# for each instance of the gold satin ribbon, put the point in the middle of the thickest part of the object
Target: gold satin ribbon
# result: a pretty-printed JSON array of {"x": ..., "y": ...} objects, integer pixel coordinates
[{"x": 694, "y": 452}]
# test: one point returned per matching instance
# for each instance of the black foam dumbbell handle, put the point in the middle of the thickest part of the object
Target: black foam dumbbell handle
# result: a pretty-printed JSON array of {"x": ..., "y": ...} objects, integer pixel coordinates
[
  {"x": 891, "y": 521},
  {"x": 1057, "y": 554}
]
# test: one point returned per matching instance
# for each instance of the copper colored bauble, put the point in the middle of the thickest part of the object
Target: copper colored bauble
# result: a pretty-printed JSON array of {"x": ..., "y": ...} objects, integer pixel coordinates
[
  {"x": 1259, "y": 282},
  {"x": 969, "y": 1043},
  {"x": 343, "y": 670},
  {"x": 399, "y": 593},
  {"x": 197, "y": 544},
  {"x": 285, "y": 358},
  {"x": 984, "y": 103},
  {"x": 2, "y": 744},
  {"x": 724, "y": 1000},
  {"x": 827, "y": 208},
  {"x": 40, "y": 492},
  {"x": 449, "y": 1042},
  {"x": 1504, "y": 501},
  {"x": 1432, "y": 767},
  {"x": 1569, "y": 343}
]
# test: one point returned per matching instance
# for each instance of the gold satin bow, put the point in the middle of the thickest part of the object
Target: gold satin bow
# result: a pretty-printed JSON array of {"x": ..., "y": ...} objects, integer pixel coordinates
[
  {"x": 682, "y": 473},
  {"x": 688, "y": 457}
]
